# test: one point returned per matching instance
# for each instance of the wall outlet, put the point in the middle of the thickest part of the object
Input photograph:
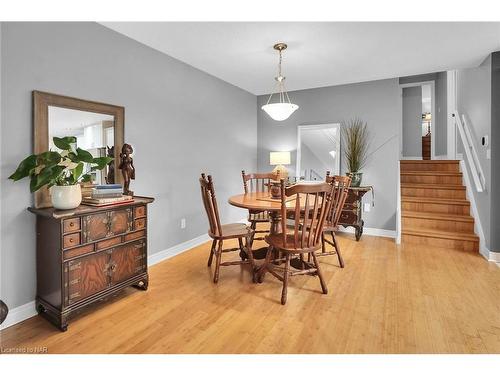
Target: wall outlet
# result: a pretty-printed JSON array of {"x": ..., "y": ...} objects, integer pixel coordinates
[
  {"x": 183, "y": 223},
  {"x": 366, "y": 207}
]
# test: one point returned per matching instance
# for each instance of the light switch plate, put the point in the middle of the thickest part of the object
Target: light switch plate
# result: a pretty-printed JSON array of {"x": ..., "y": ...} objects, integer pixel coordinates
[
  {"x": 488, "y": 153},
  {"x": 366, "y": 207}
]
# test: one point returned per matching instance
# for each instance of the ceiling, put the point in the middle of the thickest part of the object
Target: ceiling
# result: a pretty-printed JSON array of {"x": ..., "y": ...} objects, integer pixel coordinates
[{"x": 319, "y": 53}]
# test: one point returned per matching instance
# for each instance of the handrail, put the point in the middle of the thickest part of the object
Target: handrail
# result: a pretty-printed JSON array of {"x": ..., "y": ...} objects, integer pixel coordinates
[
  {"x": 470, "y": 152},
  {"x": 313, "y": 172}
]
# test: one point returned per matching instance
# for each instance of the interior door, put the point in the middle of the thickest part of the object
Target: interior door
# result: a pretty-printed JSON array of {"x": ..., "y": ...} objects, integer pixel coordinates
[
  {"x": 86, "y": 276},
  {"x": 127, "y": 260}
]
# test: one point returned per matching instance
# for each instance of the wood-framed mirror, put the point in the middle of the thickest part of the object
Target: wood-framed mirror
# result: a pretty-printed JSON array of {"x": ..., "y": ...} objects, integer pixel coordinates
[{"x": 98, "y": 127}]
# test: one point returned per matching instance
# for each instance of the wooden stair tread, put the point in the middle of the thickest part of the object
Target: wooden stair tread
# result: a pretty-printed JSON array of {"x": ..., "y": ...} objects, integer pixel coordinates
[
  {"x": 415, "y": 185},
  {"x": 431, "y": 173},
  {"x": 441, "y": 234},
  {"x": 437, "y": 216},
  {"x": 450, "y": 201},
  {"x": 429, "y": 161}
]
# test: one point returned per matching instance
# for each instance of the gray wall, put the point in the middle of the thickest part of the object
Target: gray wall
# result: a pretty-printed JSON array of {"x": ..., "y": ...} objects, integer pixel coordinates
[
  {"x": 375, "y": 102},
  {"x": 441, "y": 113},
  {"x": 495, "y": 152},
  {"x": 174, "y": 118},
  {"x": 474, "y": 101},
  {"x": 412, "y": 121}
]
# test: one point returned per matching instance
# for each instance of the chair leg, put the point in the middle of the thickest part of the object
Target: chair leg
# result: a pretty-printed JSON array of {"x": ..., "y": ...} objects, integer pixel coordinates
[
  {"x": 210, "y": 257},
  {"x": 253, "y": 226},
  {"x": 286, "y": 276},
  {"x": 250, "y": 257},
  {"x": 242, "y": 254},
  {"x": 320, "y": 275},
  {"x": 337, "y": 249},
  {"x": 263, "y": 267},
  {"x": 323, "y": 250},
  {"x": 218, "y": 256}
]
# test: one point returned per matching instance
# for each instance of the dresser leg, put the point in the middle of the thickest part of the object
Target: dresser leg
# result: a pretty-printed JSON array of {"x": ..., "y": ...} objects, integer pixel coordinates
[
  {"x": 63, "y": 326},
  {"x": 143, "y": 284}
]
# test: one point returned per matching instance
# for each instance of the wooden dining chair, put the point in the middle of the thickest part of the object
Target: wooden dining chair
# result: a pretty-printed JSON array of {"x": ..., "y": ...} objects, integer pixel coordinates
[
  {"x": 303, "y": 237},
  {"x": 341, "y": 186},
  {"x": 219, "y": 233},
  {"x": 253, "y": 183}
]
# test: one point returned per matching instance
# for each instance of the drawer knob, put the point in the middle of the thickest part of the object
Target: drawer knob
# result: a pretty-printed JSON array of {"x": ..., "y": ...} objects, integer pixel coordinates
[
  {"x": 71, "y": 240},
  {"x": 71, "y": 224}
]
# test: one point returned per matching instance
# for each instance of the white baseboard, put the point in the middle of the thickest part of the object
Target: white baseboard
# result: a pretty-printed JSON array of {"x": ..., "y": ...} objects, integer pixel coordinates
[
  {"x": 440, "y": 157},
  {"x": 26, "y": 311},
  {"x": 177, "y": 249},
  {"x": 372, "y": 232},
  {"x": 494, "y": 257},
  {"x": 18, "y": 314}
]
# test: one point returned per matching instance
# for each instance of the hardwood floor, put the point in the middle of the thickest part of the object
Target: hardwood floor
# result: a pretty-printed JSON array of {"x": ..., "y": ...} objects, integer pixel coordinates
[{"x": 388, "y": 299}]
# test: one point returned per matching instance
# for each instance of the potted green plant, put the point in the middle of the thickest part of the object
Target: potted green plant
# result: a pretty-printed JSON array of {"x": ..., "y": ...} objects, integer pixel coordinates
[
  {"x": 355, "y": 137},
  {"x": 61, "y": 171}
]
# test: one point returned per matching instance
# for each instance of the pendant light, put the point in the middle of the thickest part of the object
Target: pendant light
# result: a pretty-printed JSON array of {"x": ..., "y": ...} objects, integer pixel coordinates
[{"x": 281, "y": 110}]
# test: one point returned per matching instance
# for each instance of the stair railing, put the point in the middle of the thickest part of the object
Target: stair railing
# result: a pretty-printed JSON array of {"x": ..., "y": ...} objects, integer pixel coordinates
[{"x": 470, "y": 152}]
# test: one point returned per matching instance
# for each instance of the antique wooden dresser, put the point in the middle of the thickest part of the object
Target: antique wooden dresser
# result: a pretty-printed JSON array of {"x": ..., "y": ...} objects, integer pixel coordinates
[
  {"x": 351, "y": 215},
  {"x": 88, "y": 254}
]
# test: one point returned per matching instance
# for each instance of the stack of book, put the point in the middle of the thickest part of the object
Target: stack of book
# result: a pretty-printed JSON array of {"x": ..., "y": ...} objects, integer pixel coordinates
[{"x": 104, "y": 195}]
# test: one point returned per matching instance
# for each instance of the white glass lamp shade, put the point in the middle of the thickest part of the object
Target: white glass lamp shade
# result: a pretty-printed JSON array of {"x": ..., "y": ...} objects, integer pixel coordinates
[
  {"x": 280, "y": 111},
  {"x": 279, "y": 158}
]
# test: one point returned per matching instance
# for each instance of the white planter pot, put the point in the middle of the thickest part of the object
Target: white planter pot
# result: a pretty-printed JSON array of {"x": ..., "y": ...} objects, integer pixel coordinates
[{"x": 66, "y": 197}]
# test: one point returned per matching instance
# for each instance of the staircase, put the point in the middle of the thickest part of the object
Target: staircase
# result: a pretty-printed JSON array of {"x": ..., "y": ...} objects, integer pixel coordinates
[{"x": 434, "y": 207}]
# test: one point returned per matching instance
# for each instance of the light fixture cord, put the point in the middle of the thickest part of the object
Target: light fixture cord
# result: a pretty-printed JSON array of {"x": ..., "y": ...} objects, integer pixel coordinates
[{"x": 283, "y": 95}]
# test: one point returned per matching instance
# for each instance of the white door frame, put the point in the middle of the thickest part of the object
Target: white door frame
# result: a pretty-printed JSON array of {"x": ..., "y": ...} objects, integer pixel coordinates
[
  {"x": 451, "y": 106},
  {"x": 316, "y": 126},
  {"x": 433, "y": 106}
]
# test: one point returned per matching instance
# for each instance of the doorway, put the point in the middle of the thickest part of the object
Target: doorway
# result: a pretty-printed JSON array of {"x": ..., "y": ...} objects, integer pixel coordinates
[{"x": 417, "y": 125}]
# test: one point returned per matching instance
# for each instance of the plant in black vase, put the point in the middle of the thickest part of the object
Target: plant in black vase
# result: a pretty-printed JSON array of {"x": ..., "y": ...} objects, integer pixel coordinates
[{"x": 355, "y": 137}]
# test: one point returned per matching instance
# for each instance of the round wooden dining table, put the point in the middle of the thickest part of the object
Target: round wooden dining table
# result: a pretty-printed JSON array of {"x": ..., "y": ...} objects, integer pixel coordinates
[{"x": 262, "y": 201}]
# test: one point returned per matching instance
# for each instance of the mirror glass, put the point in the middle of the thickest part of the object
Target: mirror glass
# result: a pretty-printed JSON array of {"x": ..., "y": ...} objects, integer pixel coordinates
[
  {"x": 95, "y": 132},
  {"x": 318, "y": 151}
]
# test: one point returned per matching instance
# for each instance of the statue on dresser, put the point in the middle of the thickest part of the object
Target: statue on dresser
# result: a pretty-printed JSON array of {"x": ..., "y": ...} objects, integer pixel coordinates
[
  {"x": 110, "y": 178},
  {"x": 127, "y": 167}
]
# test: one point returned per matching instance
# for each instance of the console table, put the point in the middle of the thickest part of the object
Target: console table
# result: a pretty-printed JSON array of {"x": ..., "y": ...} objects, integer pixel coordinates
[
  {"x": 87, "y": 254},
  {"x": 351, "y": 215}
]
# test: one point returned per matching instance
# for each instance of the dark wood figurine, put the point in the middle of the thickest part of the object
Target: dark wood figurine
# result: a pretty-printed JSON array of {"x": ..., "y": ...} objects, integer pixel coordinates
[
  {"x": 110, "y": 178},
  {"x": 127, "y": 167}
]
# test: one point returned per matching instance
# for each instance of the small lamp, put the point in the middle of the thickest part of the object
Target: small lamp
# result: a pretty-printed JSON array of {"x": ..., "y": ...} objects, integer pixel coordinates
[{"x": 280, "y": 159}]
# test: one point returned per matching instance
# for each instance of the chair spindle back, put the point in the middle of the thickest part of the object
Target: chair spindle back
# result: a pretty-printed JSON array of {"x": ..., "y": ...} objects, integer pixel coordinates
[
  {"x": 315, "y": 200},
  {"x": 258, "y": 182},
  {"x": 210, "y": 204},
  {"x": 341, "y": 186}
]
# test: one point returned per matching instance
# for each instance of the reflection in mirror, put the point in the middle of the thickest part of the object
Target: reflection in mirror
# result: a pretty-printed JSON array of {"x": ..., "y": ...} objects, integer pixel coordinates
[
  {"x": 94, "y": 132},
  {"x": 318, "y": 151}
]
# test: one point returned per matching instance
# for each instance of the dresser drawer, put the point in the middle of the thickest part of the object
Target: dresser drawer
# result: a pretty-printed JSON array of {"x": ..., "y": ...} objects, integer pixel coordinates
[
  {"x": 107, "y": 224},
  {"x": 70, "y": 240},
  {"x": 71, "y": 225},
  {"x": 348, "y": 217},
  {"x": 140, "y": 223},
  {"x": 139, "y": 211},
  {"x": 72, "y": 253}
]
